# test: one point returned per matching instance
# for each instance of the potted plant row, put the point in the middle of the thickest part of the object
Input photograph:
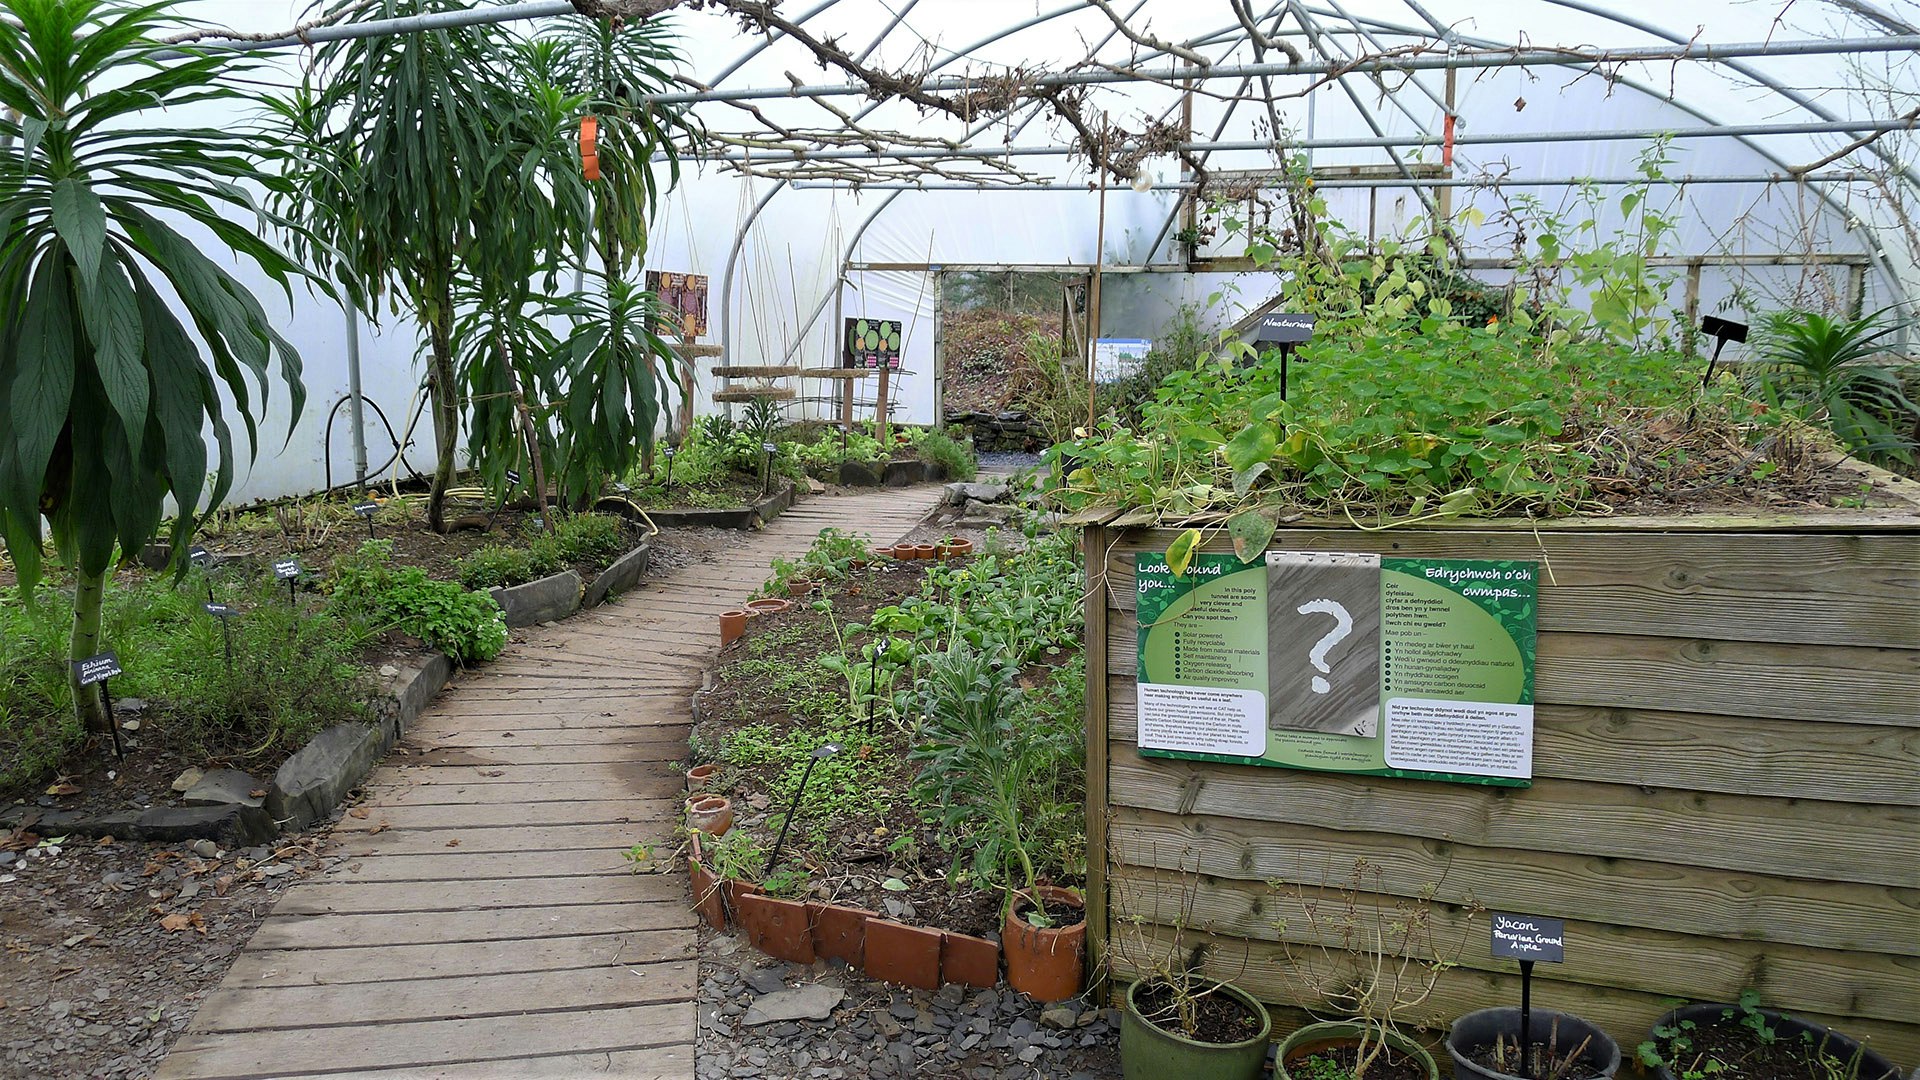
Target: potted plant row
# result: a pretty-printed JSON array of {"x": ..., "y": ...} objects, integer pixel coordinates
[{"x": 1744, "y": 1041}]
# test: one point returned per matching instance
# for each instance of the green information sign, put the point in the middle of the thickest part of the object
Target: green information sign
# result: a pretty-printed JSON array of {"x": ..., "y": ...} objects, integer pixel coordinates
[{"x": 1341, "y": 662}]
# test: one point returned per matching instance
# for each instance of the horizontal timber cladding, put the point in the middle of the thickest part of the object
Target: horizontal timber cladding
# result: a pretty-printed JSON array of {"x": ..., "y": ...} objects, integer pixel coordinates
[{"x": 1726, "y": 787}]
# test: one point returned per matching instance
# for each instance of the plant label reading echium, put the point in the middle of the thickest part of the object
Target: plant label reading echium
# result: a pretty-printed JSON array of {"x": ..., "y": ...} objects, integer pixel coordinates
[
  {"x": 96, "y": 669},
  {"x": 1336, "y": 662}
]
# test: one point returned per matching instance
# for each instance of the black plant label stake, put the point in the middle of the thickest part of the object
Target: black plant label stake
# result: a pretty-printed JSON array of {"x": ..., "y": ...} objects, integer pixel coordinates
[
  {"x": 288, "y": 570},
  {"x": 225, "y": 614},
  {"x": 1721, "y": 331},
  {"x": 1528, "y": 938},
  {"x": 367, "y": 510},
  {"x": 95, "y": 671},
  {"x": 1286, "y": 331}
]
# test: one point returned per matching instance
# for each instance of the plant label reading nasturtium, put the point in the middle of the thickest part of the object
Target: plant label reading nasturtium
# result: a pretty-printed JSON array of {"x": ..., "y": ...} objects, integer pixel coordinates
[
  {"x": 1340, "y": 662},
  {"x": 1529, "y": 937}
]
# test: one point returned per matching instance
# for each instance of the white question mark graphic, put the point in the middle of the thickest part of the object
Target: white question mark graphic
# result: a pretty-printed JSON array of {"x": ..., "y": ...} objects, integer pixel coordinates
[{"x": 1318, "y": 655}]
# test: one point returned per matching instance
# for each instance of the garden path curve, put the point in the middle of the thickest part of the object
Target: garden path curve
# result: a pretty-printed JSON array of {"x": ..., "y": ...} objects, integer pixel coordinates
[{"x": 484, "y": 922}]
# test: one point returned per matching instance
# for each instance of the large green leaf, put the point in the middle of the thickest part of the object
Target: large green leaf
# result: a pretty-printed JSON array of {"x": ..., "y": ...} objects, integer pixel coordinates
[
  {"x": 42, "y": 388},
  {"x": 82, "y": 223},
  {"x": 112, "y": 319}
]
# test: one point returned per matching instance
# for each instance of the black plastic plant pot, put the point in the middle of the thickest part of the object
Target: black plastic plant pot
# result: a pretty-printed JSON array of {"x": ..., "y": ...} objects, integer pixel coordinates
[
  {"x": 1478, "y": 1030},
  {"x": 1872, "y": 1066},
  {"x": 1151, "y": 1052}
]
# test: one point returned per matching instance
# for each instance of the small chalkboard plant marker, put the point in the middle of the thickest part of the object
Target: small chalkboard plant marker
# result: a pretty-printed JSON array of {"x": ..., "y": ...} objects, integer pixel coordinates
[
  {"x": 225, "y": 614},
  {"x": 1287, "y": 331},
  {"x": 288, "y": 570},
  {"x": 668, "y": 452},
  {"x": 95, "y": 671},
  {"x": 1547, "y": 1045},
  {"x": 367, "y": 509},
  {"x": 820, "y": 754}
]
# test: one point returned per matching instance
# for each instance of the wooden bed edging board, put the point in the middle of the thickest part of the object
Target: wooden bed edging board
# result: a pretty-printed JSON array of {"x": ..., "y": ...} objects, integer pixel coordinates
[{"x": 1726, "y": 786}]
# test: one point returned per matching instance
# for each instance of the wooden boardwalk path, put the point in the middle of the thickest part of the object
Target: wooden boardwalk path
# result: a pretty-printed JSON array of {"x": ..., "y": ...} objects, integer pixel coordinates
[{"x": 484, "y": 923}]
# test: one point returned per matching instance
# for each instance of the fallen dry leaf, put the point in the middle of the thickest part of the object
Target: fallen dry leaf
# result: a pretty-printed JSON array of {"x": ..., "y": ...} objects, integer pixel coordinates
[
  {"x": 176, "y": 922},
  {"x": 360, "y": 812},
  {"x": 63, "y": 788},
  {"x": 455, "y": 842},
  {"x": 378, "y": 829},
  {"x": 493, "y": 772},
  {"x": 257, "y": 793},
  {"x": 107, "y": 840}
]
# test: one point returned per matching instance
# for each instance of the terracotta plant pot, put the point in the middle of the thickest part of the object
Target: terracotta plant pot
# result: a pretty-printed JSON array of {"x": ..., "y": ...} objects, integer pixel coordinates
[
  {"x": 884, "y": 553},
  {"x": 732, "y": 625},
  {"x": 1046, "y": 964},
  {"x": 926, "y": 551},
  {"x": 710, "y": 814},
  {"x": 959, "y": 547},
  {"x": 799, "y": 587},
  {"x": 700, "y": 777},
  {"x": 771, "y": 605}
]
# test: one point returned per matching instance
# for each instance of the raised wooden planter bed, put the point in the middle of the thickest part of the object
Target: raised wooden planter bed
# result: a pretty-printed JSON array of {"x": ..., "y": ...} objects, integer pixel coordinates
[
  {"x": 744, "y": 517},
  {"x": 1725, "y": 792}
]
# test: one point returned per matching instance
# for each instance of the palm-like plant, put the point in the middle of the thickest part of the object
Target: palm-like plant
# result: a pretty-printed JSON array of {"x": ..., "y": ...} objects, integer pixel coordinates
[
  {"x": 1831, "y": 371},
  {"x": 119, "y": 330},
  {"x": 614, "y": 387},
  {"x": 396, "y": 135},
  {"x": 611, "y": 64}
]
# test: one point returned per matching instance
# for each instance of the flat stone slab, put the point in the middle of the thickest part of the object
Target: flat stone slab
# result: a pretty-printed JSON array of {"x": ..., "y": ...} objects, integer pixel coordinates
[
  {"x": 962, "y": 493},
  {"x": 313, "y": 781},
  {"x": 624, "y": 574},
  {"x": 224, "y": 787},
  {"x": 811, "y": 1002},
  {"x": 554, "y": 597}
]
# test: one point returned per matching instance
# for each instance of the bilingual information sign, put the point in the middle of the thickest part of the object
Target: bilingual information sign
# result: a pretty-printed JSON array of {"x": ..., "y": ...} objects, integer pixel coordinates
[
  {"x": 1341, "y": 662},
  {"x": 1529, "y": 937}
]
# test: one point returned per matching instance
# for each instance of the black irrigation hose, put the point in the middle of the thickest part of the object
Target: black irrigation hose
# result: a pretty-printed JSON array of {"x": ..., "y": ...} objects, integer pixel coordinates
[{"x": 399, "y": 452}]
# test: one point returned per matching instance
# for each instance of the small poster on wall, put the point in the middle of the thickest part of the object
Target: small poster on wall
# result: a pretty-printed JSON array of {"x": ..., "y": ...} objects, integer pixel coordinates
[
  {"x": 683, "y": 297},
  {"x": 1115, "y": 359},
  {"x": 1341, "y": 662},
  {"x": 873, "y": 343}
]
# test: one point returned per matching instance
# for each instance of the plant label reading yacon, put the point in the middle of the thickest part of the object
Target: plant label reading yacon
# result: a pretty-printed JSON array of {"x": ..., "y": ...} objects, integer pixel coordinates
[
  {"x": 1529, "y": 937},
  {"x": 96, "y": 669},
  {"x": 1339, "y": 662}
]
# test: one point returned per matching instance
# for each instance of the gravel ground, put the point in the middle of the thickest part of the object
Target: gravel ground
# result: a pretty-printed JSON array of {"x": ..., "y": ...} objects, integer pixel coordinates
[
  {"x": 870, "y": 1030},
  {"x": 107, "y": 949}
]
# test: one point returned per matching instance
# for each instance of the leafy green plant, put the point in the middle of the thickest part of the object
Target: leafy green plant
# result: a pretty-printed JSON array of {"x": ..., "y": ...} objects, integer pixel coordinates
[
  {"x": 466, "y": 625},
  {"x": 498, "y": 566},
  {"x": 294, "y": 671},
  {"x": 396, "y": 137},
  {"x": 939, "y": 448},
  {"x": 975, "y": 766},
  {"x": 1830, "y": 372},
  {"x": 103, "y": 389}
]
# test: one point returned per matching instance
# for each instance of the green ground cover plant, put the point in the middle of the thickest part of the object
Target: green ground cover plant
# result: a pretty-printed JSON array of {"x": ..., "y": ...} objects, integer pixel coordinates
[
  {"x": 467, "y": 625},
  {"x": 572, "y": 539},
  {"x": 294, "y": 671}
]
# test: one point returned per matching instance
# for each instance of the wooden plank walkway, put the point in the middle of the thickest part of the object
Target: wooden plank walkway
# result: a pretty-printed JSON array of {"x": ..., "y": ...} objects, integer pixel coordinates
[{"x": 484, "y": 923}]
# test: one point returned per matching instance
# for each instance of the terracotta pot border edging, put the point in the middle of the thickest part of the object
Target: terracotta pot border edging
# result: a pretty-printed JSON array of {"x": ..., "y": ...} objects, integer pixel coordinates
[{"x": 954, "y": 957}]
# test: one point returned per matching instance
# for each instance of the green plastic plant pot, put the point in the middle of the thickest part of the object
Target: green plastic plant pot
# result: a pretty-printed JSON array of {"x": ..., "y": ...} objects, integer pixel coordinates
[
  {"x": 1149, "y": 1052},
  {"x": 1313, "y": 1038}
]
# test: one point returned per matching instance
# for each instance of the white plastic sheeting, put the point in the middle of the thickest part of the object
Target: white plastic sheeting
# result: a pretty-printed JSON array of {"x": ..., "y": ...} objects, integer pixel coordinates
[{"x": 790, "y": 283}]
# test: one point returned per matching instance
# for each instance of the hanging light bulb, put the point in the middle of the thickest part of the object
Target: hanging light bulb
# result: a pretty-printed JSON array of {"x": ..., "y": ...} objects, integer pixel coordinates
[{"x": 1142, "y": 183}]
